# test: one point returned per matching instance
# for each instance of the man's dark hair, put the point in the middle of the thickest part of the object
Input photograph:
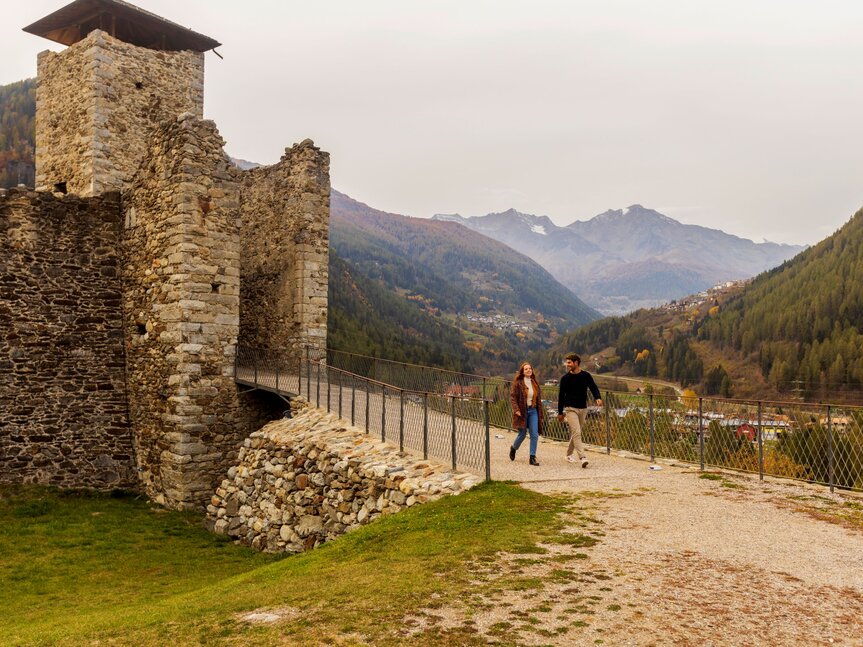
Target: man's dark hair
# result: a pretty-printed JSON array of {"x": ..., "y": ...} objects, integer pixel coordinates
[{"x": 574, "y": 358}]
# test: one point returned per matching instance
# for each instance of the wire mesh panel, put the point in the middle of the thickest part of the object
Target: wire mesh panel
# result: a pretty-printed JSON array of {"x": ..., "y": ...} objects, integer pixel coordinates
[
  {"x": 805, "y": 446},
  {"x": 414, "y": 427},
  {"x": 413, "y": 377},
  {"x": 675, "y": 433},
  {"x": 273, "y": 370},
  {"x": 846, "y": 436},
  {"x": 440, "y": 422}
]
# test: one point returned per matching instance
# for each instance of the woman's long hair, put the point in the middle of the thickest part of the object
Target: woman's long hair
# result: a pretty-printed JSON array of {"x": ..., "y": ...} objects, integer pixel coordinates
[{"x": 533, "y": 377}]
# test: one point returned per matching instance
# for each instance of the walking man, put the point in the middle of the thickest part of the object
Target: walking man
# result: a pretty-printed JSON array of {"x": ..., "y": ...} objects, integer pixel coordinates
[{"x": 572, "y": 404}]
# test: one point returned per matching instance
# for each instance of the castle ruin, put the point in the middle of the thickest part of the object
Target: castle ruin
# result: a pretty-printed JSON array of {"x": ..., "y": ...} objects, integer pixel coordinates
[{"x": 141, "y": 261}]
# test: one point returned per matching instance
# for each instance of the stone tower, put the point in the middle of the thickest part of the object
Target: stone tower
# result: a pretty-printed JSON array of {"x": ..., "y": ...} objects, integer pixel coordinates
[
  {"x": 98, "y": 101},
  {"x": 206, "y": 256}
]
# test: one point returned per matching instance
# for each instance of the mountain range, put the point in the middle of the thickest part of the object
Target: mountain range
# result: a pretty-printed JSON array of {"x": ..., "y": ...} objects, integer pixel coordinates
[{"x": 626, "y": 259}]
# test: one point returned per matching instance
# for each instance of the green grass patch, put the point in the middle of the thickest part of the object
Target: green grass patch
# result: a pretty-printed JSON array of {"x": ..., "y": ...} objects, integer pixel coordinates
[
  {"x": 731, "y": 485},
  {"x": 711, "y": 476},
  {"x": 83, "y": 569},
  {"x": 575, "y": 540}
]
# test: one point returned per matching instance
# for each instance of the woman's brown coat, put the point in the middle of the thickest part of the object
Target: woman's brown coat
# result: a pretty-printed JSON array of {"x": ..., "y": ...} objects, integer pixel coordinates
[{"x": 518, "y": 400}]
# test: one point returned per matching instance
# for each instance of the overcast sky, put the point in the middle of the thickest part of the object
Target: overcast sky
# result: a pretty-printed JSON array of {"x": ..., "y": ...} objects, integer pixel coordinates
[{"x": 741, "y": 115}]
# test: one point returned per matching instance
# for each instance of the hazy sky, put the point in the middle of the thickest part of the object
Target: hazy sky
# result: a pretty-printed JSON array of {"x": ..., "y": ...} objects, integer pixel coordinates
[{"x": 742, "y": 115}]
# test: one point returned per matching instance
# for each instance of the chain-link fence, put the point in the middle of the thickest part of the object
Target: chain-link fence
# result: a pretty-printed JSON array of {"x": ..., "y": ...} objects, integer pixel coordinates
[{"x": 811, "y": 442}]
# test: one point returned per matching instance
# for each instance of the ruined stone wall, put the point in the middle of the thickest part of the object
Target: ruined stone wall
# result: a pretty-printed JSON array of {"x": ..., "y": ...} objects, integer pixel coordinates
[
  {"x": 298, "y": 483},
  {"x": 63, "y": 407},
  {"x": 285, "y": 252},
  {"x": 182, "y": 299},
  {"x": 97, "y": 105}
]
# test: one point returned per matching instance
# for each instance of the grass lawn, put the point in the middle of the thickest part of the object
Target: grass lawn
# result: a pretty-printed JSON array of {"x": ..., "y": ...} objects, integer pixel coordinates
[{"x": 81, "y": 569}]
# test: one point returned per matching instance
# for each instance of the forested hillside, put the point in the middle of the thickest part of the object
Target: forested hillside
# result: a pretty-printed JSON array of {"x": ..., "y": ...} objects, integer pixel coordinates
[
  {"x": 366, "y": 318},
  {"x": 450, "y": 264},
  {"x": 503, "y": 304},
  {"x": 17, "y": 133},
  {"x": 791, "y": 332},
  {"x": 802, "y": 323}
]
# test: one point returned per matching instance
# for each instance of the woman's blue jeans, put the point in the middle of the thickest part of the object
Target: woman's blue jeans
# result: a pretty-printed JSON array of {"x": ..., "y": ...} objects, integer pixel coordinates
[{"x": 532, "y": 420}]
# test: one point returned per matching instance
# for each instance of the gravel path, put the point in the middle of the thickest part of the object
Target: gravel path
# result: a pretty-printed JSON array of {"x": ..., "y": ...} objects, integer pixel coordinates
[{"x": 687, "y": 560}]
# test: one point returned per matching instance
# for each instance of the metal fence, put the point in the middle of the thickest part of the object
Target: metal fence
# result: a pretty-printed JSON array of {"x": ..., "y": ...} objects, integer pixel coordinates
[
  {"x": 448, "y": 427},
  {"x": 818, "y": 443}
]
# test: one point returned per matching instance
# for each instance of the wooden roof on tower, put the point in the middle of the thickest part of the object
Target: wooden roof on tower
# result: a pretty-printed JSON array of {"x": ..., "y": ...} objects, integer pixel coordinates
[{"x": 122, "y": 20}]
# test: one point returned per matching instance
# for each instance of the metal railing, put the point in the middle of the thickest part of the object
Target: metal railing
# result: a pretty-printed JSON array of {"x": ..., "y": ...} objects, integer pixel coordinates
[
  {"x": 447, "y": 427},
  {"x": 447, "y": 415},
  {"x": 272, "y": 370},
  {"x": 818, "y": 443}
]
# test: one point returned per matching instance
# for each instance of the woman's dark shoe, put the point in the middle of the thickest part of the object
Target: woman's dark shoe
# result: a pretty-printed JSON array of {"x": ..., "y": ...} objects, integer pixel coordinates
[
  {"x": 511, "y": 453},
  {"x": 533, "y": 461}
]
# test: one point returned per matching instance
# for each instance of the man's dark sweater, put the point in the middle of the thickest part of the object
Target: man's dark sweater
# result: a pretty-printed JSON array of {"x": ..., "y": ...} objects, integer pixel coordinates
[{"x": 573, "y": 391}]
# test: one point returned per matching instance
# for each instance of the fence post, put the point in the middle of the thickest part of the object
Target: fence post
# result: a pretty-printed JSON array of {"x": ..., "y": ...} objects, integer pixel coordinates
[
  {"x": 401, "y": 420},
  {"x": 299, "y": 376},
  {"x": 277, "y": 376},
  {"x": 329, "y": 384},
  {"x": 308, "y": 377},
  {"x": 830, "y": 476},
  {"x": 318, "y": 386},
  {"x": 760, "y": 446},
  {"x": 383, "y": 413},
  {"x": 339, "y": 374},
  {"x": 487, "y": 438},
  {"x": 652, "y": 430},
  {"x": 367, "y": 405},
  {"x": 607, "y": 424},
  {"x": 452, "y": 409},
  {"x": 353, "y": 401},
  {"x": 425, "y": 426},
  {"x": 701, "y": 432},
  {"x": 256, "y": 370}
]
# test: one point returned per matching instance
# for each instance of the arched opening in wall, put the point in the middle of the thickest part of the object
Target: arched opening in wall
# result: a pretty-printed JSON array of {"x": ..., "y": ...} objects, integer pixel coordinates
[
  {"x": 260, "y": 407},
  {"x": 60, "y": 187}
]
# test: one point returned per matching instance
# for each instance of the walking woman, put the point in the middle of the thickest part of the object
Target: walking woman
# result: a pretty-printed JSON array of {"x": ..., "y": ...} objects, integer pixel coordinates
[{"x": 526, "y": 400}]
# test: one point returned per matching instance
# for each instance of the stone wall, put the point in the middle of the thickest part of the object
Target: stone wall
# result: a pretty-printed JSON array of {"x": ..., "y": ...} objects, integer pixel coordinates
[
  {"x": 300, "y": 482},
  {"x": 114, "y": 116},
  {"x": 182, "y": 301},
  {"x": 97, "y": 104},
  {"x": 285, "y": 252},
  {"x": 63, "y": 413}
]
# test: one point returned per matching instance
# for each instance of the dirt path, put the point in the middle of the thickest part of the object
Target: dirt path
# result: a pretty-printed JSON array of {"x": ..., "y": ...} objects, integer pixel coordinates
[{"x": 669, "y": 557}]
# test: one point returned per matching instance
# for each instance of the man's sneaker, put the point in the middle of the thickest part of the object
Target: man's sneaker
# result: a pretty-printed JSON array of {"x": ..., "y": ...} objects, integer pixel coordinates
[
  {"x": 571, "y": 459},
  {"x": 511, "y": 453},
  {"x": 584, "y": 462},
  {"x": 533, "y": 461}
]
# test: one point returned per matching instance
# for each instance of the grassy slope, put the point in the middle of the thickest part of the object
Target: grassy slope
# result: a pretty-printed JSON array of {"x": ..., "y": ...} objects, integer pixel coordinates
[{"x": 92, "y": 569}]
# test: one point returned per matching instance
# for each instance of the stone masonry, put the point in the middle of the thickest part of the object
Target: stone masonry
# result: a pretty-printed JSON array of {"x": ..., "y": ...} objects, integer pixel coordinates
[
  {"x": 182, "y": 303},
  {"x": 63, "y": 399},
  {"x": 285, "y": 252},
  {"x": 300, "y": 482},
  {"x": 161, "y": 280},
  {"x": 97, "y": 104}
]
